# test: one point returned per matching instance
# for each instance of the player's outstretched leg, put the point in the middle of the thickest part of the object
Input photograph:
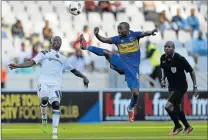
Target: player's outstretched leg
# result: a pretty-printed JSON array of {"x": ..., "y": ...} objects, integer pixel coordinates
[
  {"x": 169, "y": 107},
  {"x": 99, "y": 52},
  {"x": 95, "y": 50},
  {"x": 132, "y": 106},
  {"x": 44, "y": 106},
  {"x": 55, "y": 119}
]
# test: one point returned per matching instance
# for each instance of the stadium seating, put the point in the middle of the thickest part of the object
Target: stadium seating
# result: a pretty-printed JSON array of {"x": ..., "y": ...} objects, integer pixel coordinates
[
  {"x": 122, "y": 17},
  {"x": 170, "y": 35},
  {"x": 33, "y": 13},
  {"x": 202, "y": 60},
  {"x": 184, "y": 36}
]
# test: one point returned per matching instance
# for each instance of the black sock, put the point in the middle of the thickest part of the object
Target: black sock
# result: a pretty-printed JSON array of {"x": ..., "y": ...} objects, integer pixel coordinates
[
  {"x": 134, "y": 101},
  {"x": 174, "y": 118},
  {"x": 182, "y": 117}
]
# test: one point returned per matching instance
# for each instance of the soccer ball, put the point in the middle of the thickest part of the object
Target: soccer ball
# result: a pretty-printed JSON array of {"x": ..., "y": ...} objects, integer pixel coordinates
[{"x": 75, "y": 8}]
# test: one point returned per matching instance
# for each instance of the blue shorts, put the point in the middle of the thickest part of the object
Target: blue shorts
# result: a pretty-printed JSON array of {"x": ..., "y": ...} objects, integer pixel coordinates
[{"x": 131, "y": 73}]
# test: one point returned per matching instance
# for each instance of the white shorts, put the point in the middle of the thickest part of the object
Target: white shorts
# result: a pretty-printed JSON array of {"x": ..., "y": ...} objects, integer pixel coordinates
[{"x": 53, "y": 92}]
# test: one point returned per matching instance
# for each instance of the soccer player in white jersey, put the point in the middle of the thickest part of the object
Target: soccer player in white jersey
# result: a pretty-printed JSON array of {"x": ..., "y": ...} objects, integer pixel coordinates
[{"x": 50, "y": 80}]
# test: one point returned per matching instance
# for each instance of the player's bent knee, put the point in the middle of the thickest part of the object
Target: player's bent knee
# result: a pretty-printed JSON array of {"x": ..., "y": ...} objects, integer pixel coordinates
[
  {"x": 169, "y": 107},
  {"x": 107, "y": 54},
  {"x": 135, "y": 91},
  {"x": 44, "y": 100},
  {"x": 55, "y": 105}
]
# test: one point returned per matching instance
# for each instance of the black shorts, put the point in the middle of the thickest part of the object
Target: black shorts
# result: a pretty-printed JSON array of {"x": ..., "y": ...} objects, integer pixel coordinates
[{"x": 176, "y": 96}]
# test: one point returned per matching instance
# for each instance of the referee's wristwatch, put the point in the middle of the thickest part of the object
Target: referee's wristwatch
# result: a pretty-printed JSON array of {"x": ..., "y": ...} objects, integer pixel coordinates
[{"x": 195, "y": 86}]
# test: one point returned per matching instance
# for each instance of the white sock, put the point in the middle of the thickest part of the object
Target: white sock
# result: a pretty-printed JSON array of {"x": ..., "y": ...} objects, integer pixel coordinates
[
  {"x": 55, "y": 118},
  {"x": 44, "y": 110}
]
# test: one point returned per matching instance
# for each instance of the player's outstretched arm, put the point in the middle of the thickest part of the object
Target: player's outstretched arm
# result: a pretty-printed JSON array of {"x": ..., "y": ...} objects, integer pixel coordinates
[
  {"x": 100, "y": 38},
  {"x": 22, "y": 65},
  {"x": 79, "y": 74},
  {"x": 149, "y": 33}
]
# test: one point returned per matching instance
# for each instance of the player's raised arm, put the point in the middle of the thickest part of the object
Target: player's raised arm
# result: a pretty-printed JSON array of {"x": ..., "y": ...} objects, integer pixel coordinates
[
  {"x": 100, "y": 38},
  {"x": 22, "y": 65},
  {"x": 79, "y": 74},
  {"x": 148, "y": 33}
]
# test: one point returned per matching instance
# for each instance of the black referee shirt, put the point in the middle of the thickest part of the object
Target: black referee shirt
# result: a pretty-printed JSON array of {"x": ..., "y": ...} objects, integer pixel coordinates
[{"x": 175, "y": 71}]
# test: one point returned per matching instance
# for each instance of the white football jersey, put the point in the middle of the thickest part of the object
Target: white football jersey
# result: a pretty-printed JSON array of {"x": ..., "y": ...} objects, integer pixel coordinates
[{"x": 52, "y": 66}]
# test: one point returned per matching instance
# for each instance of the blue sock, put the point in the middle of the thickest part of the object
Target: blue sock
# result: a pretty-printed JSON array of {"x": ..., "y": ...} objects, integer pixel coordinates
[
  {"x": 96, "y": 50},
  {"x": 134, "y": 100}
]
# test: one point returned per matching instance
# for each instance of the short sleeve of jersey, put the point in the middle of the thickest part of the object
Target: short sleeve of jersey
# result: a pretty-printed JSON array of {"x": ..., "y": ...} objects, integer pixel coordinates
[
  {"x": 187, "y": 67},
  {"x": 161, "y": 60},
  {"x": 67, "y": 66},
  {"x": 115, "y": 39},
  {"x": 137, "y": 34},
  {"x": 39, "y": 57}
]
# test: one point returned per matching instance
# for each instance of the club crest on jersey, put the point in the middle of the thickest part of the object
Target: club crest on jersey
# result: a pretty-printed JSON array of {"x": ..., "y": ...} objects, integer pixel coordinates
[
  {"x": 131, "y": 38},
  {"x": 173, "y": 69},
  {"x": 57, "y": 55}
]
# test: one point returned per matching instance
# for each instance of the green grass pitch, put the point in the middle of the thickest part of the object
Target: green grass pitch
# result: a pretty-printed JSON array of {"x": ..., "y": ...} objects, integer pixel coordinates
[{"x": 104, "y": 131}]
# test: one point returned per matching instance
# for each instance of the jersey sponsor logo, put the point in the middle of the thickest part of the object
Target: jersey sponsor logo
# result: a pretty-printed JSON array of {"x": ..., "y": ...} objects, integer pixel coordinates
[
  {"x": 129, "y": 47},
  {"x": 173, "y": 69}
]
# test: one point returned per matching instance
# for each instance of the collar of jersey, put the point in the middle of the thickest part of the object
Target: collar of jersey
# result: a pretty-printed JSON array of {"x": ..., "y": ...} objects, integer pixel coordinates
[
  {"x": 124, "y": 37},
  {"x": 52, "y": 50},
  {"x": 173, "y": 54}
]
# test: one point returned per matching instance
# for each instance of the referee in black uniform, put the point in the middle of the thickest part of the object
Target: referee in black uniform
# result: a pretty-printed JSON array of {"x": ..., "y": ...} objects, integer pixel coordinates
[{"x": 173, "y": 66}]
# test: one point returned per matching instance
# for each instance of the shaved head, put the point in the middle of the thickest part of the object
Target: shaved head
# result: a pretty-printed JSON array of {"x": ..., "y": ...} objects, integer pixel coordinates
[
  {"x": 56, "y": 42},
  {"x": 169, "y": 48},
  {"x": 125, "y": 25},
  {"x": 170, "y": 43},
  {"x": 123, "y": 29}
]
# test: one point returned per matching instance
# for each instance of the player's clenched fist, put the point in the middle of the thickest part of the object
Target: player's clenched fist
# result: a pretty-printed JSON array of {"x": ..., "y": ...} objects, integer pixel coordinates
[
  {"x": 154, "y": 31},
  {"x": 96, "y": 30},
  {"x": 13, "y": 66},
  {"x": 86, "y": 82}
]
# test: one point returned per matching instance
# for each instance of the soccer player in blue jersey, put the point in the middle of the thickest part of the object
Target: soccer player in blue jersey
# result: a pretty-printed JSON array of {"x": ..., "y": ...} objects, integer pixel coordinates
[{"x": 128, "y": 60}]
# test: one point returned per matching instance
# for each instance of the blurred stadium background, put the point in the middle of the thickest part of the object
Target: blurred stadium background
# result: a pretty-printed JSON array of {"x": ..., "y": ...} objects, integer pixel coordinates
[
  {"x": 33, "y": 15},
  {"x": 27, "y": 27}
]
